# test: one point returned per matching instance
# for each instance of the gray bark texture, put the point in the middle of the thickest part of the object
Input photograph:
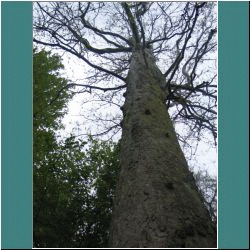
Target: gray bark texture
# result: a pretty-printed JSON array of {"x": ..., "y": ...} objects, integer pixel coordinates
[{"x": 157, "y": 204}]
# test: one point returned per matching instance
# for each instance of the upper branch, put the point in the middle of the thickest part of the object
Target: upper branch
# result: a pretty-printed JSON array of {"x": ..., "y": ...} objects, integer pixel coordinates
[
  {"x": 181, "y": 35},
  {"x": 63, "y": 30},
  {"x": 132, "y": 23}
]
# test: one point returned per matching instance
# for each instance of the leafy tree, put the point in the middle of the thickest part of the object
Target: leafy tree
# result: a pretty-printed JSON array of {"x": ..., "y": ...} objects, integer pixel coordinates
[
  {"x": 73, "y": 195},
  {"x": 47, "y": 83},
  {"x": 47, "y": 108},
  {"x": 46, "y": 115},
  {"x": 72, "y": 187},
  {"x": 160, "y": 54},
  {"x": 95, "y": 213}
]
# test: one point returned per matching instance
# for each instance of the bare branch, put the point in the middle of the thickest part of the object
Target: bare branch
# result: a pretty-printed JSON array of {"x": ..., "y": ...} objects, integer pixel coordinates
[{"x": 103, "y": 35}]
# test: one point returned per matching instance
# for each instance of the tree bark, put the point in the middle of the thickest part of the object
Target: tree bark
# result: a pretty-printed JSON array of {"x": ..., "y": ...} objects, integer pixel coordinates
[{"x": 157, "y": 204}]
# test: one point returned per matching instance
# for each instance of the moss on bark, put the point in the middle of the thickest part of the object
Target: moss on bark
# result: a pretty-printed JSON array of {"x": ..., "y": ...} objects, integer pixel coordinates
[{"x": 157, "y": 203}]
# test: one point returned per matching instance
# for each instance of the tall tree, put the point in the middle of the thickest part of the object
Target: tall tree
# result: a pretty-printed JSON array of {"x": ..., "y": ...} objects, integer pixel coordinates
[{"x": 156, "y": 51}]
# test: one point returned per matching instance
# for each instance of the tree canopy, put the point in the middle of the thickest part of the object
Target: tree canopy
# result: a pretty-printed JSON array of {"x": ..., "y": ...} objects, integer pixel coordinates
[{"x": 182, "y": 37}]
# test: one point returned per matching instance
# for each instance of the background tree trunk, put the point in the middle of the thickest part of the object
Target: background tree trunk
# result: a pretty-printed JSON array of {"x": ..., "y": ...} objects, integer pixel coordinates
[{"x": 157, "y": 203}]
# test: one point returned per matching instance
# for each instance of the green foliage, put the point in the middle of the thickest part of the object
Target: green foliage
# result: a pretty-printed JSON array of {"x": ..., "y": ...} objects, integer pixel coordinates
[
  {"x": 48, "y": 106},
  {"x": 49, "y": 97},
  {"x": 75, "y": 189},
  {"x": 73, "y": 180},
  {"x": 105, "y": 162}
]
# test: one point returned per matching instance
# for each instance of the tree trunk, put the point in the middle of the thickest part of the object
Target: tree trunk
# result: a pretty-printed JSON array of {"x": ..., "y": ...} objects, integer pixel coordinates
[{"x": 158, "y": 204}]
